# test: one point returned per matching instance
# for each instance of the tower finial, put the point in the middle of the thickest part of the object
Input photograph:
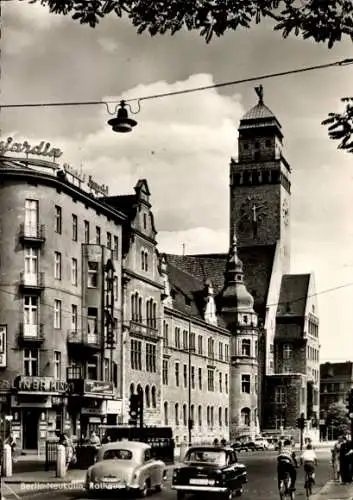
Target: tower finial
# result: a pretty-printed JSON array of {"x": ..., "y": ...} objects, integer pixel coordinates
[{"x": 260, "y": 93}]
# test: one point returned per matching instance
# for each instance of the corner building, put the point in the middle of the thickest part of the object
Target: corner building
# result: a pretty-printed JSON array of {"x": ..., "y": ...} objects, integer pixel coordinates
[{"x": 56, "y": 240}]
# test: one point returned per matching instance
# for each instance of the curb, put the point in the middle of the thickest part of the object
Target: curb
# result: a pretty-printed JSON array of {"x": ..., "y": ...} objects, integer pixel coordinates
[{"x": 322, "y": 490}]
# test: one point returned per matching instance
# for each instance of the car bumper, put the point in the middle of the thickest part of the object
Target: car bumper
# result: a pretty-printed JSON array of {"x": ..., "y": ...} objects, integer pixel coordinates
[
  {"x": 199, "y": 489},
  {"x": 102, "y": 486}
]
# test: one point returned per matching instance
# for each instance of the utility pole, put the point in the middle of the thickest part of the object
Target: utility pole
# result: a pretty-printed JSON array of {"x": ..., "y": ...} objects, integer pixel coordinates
[{"x": 190, "y": 422}]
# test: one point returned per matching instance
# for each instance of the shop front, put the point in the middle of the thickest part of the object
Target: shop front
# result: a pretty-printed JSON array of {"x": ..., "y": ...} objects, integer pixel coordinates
[
  {"x": 87, "y": 405},
  {"x": 38, "y": 408}
]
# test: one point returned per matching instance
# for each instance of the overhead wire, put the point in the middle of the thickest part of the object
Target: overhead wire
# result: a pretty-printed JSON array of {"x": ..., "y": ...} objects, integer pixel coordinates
[{"x": 341, "y": 63}]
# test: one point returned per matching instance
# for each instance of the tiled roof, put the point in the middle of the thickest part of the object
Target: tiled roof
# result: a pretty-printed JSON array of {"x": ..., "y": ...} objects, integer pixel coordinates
[
  {"x": 189, "y": 291},
  {"x": 258, "y": 263},
  {"x": 293, "y": 295},
  {"x": 258, "y": 112}
]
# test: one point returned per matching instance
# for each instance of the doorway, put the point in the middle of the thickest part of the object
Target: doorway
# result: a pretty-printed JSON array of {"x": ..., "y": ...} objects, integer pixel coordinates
[{"x": 30, "y": 420}]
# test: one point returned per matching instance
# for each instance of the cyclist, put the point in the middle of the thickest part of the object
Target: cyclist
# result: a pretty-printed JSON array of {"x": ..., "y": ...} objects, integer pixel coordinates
[
  {"x": 287, "y": 462},
  {"x": 309, "y": 460}
]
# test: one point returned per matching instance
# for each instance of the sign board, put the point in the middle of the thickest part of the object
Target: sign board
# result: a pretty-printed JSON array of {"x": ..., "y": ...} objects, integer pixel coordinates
[
  {"x": 114, "y": 407},
  {"x": 41, "y": 149},
  {"x": 3, "y": 343},
  {"x": 98, "y": 388},
  {"x": 47, "y": 385}
]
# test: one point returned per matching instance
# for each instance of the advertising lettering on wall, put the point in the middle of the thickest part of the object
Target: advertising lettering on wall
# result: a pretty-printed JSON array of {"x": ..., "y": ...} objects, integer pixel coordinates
[
  {"x": 41, "y": 149},
  {"x": 98, "y": 387},
  {"x": 3, "y": 342},
  {"x": 41, "y": 384}
]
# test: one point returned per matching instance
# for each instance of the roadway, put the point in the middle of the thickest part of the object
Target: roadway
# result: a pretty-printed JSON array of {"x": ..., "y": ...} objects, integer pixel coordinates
[{"x": 262, "y": 484}]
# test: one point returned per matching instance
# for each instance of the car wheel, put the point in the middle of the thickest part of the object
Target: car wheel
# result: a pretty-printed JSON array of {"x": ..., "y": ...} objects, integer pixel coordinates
[
  {"x": 158, "y": 488},
  {"x": 228, "y": 495},
  {"x": 144, "y": 489}
]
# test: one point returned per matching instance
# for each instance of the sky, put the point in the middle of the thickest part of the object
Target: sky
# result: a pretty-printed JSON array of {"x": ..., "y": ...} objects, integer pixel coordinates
[{"x": 182, "y": 145}]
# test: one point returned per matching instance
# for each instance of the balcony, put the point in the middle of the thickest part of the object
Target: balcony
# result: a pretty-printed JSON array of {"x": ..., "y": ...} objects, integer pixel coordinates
[
  {"x": 32, "y": 233},
  {"x": 143, "y": 330},
  {"x": 32, "y": 282},
  {"x": 31, "y": 334},
  {"x": 79, "y": 339}
]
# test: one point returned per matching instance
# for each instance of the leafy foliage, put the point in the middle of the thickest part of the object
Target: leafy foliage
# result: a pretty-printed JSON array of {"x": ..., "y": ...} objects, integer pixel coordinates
[
  {"x": 324, "y": 21},
  {"x": 337, "y": 418}
]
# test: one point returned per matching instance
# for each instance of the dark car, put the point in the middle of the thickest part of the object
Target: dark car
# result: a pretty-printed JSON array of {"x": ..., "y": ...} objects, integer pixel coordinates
[
  {"x": 209, "y": 469},
  {"x": 244, "y": 446}
]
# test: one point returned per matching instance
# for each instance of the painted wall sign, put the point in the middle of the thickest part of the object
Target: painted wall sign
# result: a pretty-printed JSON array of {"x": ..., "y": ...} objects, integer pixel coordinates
[
  {"x": 41, "y": 384},
  {"x": 98, "y": 387},
  {"x": 41, "y": 149},
  {"x": 3, "y": 343}
]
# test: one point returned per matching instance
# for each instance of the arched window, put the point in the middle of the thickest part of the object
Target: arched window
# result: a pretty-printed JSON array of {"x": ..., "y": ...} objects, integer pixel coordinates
[
  {"x": 220, "y": 417},
  {"x": 245, "y": 417},
  {"x": 225, "y": 416},
  {"x": 132, "y": 388},
  {"x": 212, "y": 416},
  {"x": 143, "y": 260},
  {"x": 154, "y": 315},
  {"x": 192, "y": 413},
  {"x": 165, "y": 413},
  {"x": 185, "y": 415},
  {"x": 200, "y": 415},
  {"x": 146, "y": 261},
  {"x": 176, "y": 413},
  {"x": 208, "y": 417},
  {"x": 139, "y": 311},
  {"x": 154, "y": 397},
  {"x": 139, "y": 389},
  {"x": 147, "y": 396}
]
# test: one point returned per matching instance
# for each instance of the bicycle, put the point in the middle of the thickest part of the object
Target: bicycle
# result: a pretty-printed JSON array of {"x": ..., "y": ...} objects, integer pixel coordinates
[
  {"x": 308, "y": 485},
  {"x": 285, "y": 488}
]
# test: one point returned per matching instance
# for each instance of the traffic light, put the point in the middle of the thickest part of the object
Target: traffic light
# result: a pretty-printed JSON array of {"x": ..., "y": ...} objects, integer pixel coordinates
[
  {"x": 134, "y": 409},
  {"x": 349, "y": 405}
]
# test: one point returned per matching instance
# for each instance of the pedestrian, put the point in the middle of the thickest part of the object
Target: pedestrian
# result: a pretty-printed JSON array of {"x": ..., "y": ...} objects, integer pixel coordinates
[{"x": 344, "y": 448}]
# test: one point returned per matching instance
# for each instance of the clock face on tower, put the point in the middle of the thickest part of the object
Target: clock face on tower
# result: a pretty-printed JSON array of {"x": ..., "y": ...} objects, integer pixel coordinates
[
  {"x": 251, "y": 214},
  {"x": 285, "y": 212}
]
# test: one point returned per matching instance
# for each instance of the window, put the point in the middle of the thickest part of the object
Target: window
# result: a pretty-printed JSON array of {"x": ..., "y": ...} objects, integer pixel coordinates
[
  {"x": 287, "y": 352},
  {"x": 144, "y": 260},
  {"x": 210, "y": 348},
  {"x": 220, "y": 422},
  {"x": 226, "y": 352},
  {"x": 31, "y": 217},
  {"x": 144, "y": 221},
  {"x": 58, "y": 219},
  {"x": 225, "y": 416},
  {"x": 116, "y": 246},
  {"x": 74, "y": 227},
  {"x": 185, "y": 415},
  {"x": 31, "y": 262},
  {"x": 147, "y": 396},
  {"x": 280, "y": 395},
  {"x": 136, "y": 308},
  {"x": 165, "y": 413},
  {"x": 177, "y": 374},
  {"x": 151, "y": 313},
  {"x": 92, "y": 368},
  {"x": 185, "y": 376},
  {"x": 107, "y": 369},
  {"x": 220, "y": 382},
  {"x": 200, "y": 378},
  {"x": 136, "y": 354},
  {"x": 151, "y": 358},
  {"x": 165, "y": 372},
  {"x": 245, "y": 417},
  {"x": 74, "y": 272},
  {"x": 86, "y": 230},
  {"x": 192, "y": 413},
  {"x": 109, "y": 240},
  {"x": 57, "y": 365},
  {"x": 245, "y": 384},
  {"x": 31, "y": 362},
  {"x": 246, "y": 347},
  {"x": 30, "y": 310},
  {"x": 200, "y": 415},
  {"x": 57, "y": 265},
  {"x": 220, "y": 351},
  {"x": 199, "y": 345},
  {"x": 98, "y": 235},
  {"x": 165, "y": 334},
  {"x": 92, "y": 322},
  {"x": 210, "y": 379},
  {"x": 193, "y": 377},
  {"x": 74, "y": 318},
  {"x": 92, "y": 275},
  {"x": 176, "y": 413},
  {"x": 177, "y": 337},
  {"x": 185, "y": 340},
  {"x": 226, "y": 382},
  {"x": 57, "y": 313},
  {"x": 256, "y": 389}
]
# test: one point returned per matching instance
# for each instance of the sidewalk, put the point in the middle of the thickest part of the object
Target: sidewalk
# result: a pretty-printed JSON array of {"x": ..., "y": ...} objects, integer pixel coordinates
[{"x": 334, "y": 490}]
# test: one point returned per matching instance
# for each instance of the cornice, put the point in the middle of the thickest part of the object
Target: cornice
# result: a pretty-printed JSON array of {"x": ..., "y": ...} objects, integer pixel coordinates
[
  {"x": 70, "y": 189},
  {"x": 198, "y": 321},
  {"x": 139, "y": 277}
]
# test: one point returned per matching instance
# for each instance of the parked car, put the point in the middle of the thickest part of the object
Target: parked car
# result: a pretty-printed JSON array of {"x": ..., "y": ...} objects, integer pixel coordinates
[
  {"x": 261, "y": 444},
  {"x": 126, "y": 465},
  {"x": 243, "y": 446},
  {"x": 209, "y": 469}
]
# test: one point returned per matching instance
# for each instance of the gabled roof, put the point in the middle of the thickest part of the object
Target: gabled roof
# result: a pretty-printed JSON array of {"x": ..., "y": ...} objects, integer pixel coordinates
[
  {"x": 189, "y": 292},
  {"x": 293, "y": 295},
  {"x": 258, "y": 264}
]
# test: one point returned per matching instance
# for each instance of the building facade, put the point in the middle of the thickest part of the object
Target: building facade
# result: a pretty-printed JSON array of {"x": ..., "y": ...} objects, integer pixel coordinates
[
  {"x": 142, "y": 304},
  {"x": 60, "y": 265},
  {"x": 196, "y": 359}
]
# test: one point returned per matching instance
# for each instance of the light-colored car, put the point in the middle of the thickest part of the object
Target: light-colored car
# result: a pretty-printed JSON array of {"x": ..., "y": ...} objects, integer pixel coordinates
[
  {"x": 126, "y": 465},
  {"x": 261, "y": 444}
]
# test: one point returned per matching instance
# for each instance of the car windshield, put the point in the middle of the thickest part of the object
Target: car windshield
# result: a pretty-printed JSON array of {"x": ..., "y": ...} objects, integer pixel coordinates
[
  {"x": 217, "y": 457},
  {"x": 117, "y": 454}
]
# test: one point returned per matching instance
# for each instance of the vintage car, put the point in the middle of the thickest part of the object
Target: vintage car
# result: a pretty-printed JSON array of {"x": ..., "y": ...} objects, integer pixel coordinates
[
  {"x": 127, "y": 466},
  {"x": 209, "y": 469}
]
